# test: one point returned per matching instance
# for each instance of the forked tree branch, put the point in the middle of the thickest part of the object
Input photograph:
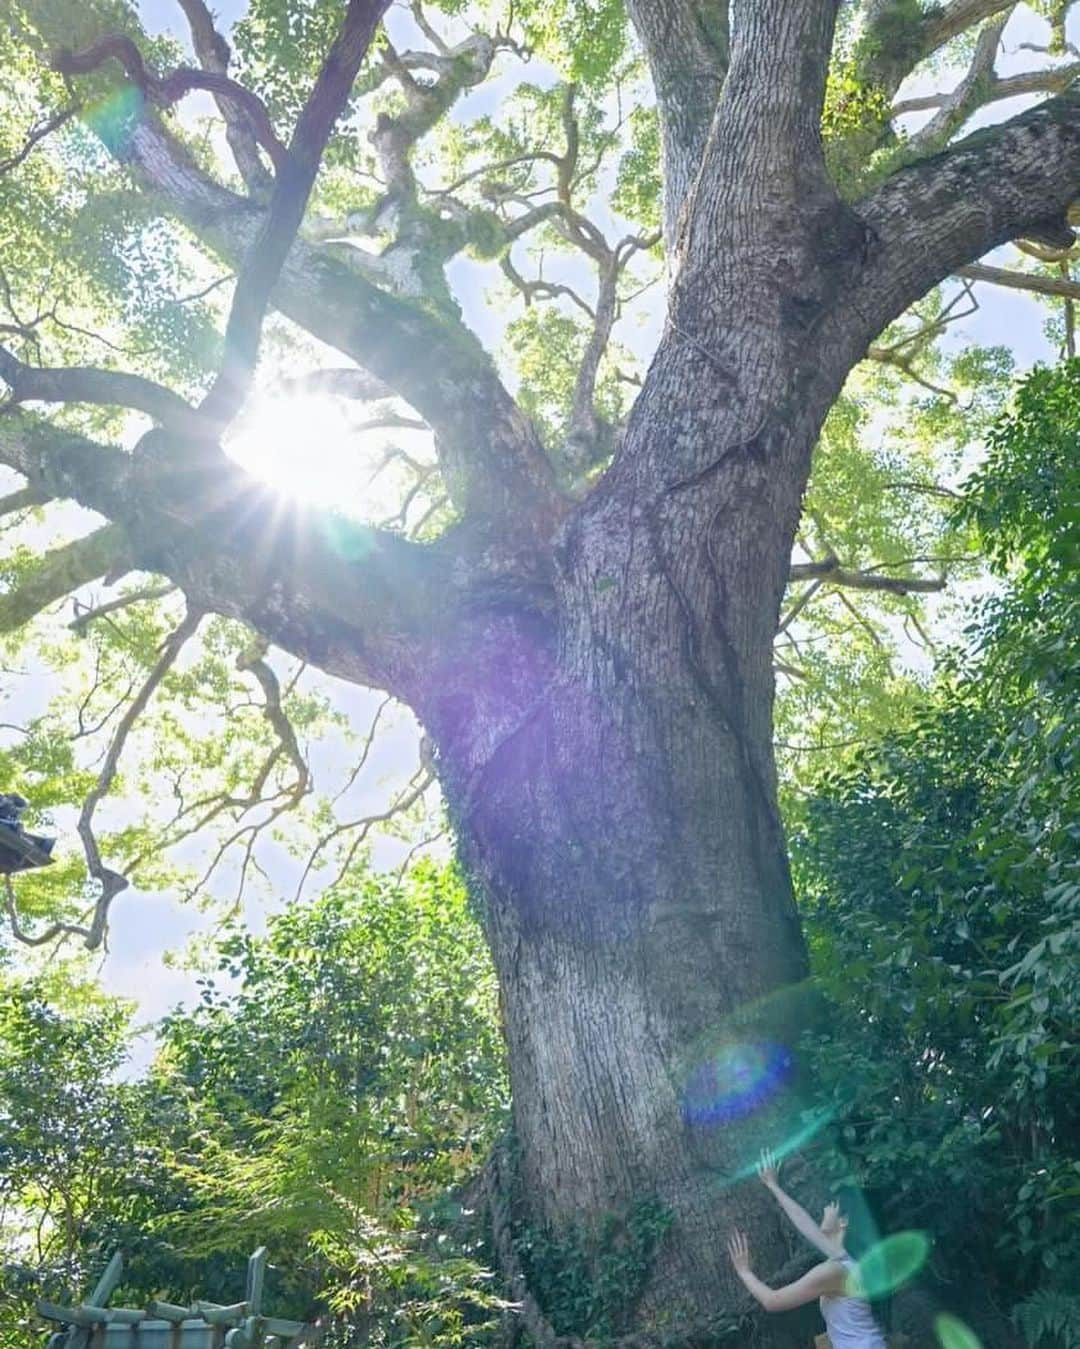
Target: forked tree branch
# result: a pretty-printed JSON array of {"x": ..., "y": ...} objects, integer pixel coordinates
[
  {"x": 214, "y": 55},
  {"x": 169, "y": 89}
]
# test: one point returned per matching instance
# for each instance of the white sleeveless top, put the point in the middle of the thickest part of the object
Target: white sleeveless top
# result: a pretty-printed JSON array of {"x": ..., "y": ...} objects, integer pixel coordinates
[{"x": 849, "y": 1320}]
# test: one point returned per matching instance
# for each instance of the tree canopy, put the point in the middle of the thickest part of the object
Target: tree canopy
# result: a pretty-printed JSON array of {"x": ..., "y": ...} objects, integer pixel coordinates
[
  {"x": 600, "y": 383},
  {"x": 109, "y": 268}
]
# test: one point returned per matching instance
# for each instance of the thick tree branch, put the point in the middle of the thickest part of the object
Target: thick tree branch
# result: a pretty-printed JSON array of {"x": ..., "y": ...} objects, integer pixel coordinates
[
  {"x": 292, "y": 186},
  {"x": 214, "y": 55},
  {"x": 169, "y": 89},
  {"x": 21, "y": 500},
  {"x": 359, "y": 602},
  {"x": 934, "y": 218},
  {"x": 896, "y": 39},
  {"x": 64, "y": 464},
  {"x": 687, "y": 43},
  {"x": 86, "y": 384},
  {"x": 62, "y": 570},
  {"x": 943, "y": 23},
  {"x": 763, "y": 190},
  {"x": 769, "y": 119}
]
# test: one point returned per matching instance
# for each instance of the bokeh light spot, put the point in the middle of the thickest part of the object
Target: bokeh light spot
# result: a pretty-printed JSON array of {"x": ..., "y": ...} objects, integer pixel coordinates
[
  {"x": 889, "y": 1264},
  {"x": 735, "y": 1080},
  {"x": 114, "y": 119},
  {"x": 954, "y": 1333},
  {"x": 350, "y": 540}
]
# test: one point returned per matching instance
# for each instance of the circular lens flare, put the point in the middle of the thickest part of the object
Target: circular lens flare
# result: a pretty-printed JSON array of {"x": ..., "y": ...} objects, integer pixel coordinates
[
  {"x": 735, "y": 1080},
  {"x": 889, "y": 1264}
]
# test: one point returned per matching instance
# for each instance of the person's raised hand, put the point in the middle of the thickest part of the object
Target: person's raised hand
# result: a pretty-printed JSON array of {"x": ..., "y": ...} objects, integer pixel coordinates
[
  {"x": 768, "y": 1168},
  {"x": 739, "y": 1250}
]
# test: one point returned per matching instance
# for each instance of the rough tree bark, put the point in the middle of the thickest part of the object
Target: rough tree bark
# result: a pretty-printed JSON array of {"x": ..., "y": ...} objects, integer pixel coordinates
[{"x": 596, "y": 674}]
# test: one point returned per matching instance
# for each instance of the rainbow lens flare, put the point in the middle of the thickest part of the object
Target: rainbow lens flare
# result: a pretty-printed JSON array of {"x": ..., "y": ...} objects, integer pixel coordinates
[
  {"x": 114, "y": 119},
  {"x": 890, "y": 1264},
  {"x": 735, "y": 1080},
  {"x": 954, "y": 1333},
  {"x": 808, "y": 1124}
]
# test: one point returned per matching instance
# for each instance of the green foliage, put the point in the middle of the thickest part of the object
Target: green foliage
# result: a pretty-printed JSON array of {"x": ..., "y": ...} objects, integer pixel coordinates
[
  {"x": 350, "y": 1082},
  {"x": 895, "y": 33},
  {"x": 67, "y": 1141},
  {"x": 637, "y": 184},
  {"x": 583, "y": 39},
  {"x": 588, "y": 1281},
  {"x": 342, "y": 1077},
  {"x": 939, "y": 871},
  {"x": 85, "y": 261},
  {"x": 339, "y": 1081},
  {"x": 879, "y": 498},
  {"x": 1049, "y": 1320},
  {"x": 280, "y": 45},
  {"x": 549, "y": 346},
  {"x": 854, "y": 121}
]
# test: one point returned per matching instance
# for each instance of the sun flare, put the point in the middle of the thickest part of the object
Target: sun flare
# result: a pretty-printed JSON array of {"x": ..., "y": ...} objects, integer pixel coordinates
[{"x": 330, "y": 453}]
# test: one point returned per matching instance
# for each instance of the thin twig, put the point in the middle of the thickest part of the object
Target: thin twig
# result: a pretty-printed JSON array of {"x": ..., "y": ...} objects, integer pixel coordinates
[{"x": 112, "y": 882}]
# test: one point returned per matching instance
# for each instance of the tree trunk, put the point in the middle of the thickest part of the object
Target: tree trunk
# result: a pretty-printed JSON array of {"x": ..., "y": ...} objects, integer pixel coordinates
[{"x": 611, "y": 779}]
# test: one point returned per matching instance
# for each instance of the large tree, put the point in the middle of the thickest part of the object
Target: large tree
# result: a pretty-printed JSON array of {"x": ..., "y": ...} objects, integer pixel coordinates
[{"x": 588, "y": 638}]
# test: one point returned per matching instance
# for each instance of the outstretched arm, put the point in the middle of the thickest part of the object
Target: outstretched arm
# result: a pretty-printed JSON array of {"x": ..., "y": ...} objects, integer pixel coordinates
[
  {"x": 826, "y": 1279},
  {"x": 800, "y": 1219}
]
